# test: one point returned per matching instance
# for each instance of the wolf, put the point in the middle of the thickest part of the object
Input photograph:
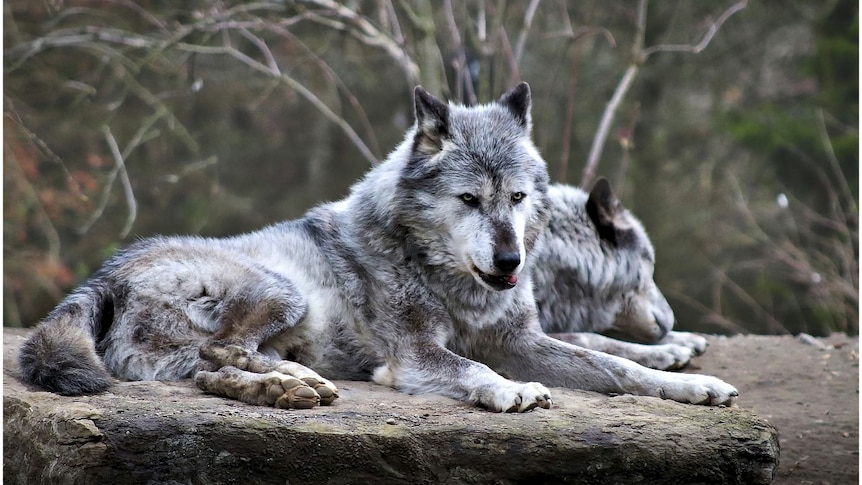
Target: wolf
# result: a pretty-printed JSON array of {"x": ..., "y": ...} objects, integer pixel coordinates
[
  {"x": 594, "y": 276},
  {"x": 419, "y": 279}
]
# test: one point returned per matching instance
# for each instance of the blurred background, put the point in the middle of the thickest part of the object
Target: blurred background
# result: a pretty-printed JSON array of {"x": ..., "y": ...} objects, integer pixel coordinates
[{"x": 729, "y": 128}]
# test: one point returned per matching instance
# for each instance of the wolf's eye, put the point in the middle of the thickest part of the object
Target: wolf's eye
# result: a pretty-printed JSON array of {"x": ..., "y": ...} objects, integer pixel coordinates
[
  {"x": 517, "y": 197},
  {"x": 470, "y": 199}
]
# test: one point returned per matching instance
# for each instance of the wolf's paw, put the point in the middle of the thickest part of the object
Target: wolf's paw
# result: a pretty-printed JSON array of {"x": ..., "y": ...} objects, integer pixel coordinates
[
  {"x": 695, "y": 342},
  {"x": 699, "y": 389},
  {"x": 324, "y": 388},
  {"x": 288, "y": 392},
  {"x": 270, "y": 389},
  {"x": 666, "y": 357},
  {"x": 513, "y": 397}
]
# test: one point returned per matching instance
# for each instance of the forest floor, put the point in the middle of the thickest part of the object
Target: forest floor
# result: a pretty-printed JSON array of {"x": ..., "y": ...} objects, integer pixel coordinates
[{"x": 809, "y": 391}]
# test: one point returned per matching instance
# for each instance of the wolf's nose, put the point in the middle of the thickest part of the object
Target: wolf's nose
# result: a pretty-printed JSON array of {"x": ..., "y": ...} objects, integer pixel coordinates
[{"x": 507, "y": 261}]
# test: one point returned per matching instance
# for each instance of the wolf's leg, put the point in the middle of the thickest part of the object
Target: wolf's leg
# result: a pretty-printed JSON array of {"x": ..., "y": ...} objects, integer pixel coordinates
[
  {"x": 268, "y": 308},
  {"x": 432, "y": 368},
  {"x": 662, "y": 356},
  {"x": 527, "y": 353},
  {"x": 695, "y": 342}
]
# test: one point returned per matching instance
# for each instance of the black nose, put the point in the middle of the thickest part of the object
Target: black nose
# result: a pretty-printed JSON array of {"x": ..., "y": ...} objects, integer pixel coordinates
[{"x": 507, "y": 261}]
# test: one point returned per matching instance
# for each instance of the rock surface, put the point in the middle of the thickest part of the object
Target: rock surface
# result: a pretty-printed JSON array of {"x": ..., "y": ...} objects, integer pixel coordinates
[{"x": 152, "y": 432}]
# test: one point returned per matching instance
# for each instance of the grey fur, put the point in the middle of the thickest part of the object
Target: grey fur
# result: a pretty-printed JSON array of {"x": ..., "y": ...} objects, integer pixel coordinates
[
  {"x": 594, "y": 275},
  {"x": 419, "y": 279}
]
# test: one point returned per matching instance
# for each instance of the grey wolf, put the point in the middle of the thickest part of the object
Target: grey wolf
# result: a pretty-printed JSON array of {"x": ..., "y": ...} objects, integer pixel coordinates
[
  {"x": 594, "y": 275},
  {"x": 419, "y": 279}
]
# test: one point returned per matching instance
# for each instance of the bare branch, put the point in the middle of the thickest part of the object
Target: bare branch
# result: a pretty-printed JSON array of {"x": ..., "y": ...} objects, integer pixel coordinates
[
  {"x": 514, "y": 73},
  {"x": 396, "y": 26},
  {"x": 369, "y": 34},
  {"x": 264, "y": 49},
  {"x": 607, "y": 120},
  {"x": 525, "y": 29},
  {"x": 294, "y": 84},
  {"x": 119, "y": 167},
  {"x": 639, "y": 55},
  {"x": 707, "y": 38},
  {"x": 342, "y": 87},
  {"x": 140, "y": 136},
  {"x": 464, "y": 79},
  {"x": 124, "y": 179}
]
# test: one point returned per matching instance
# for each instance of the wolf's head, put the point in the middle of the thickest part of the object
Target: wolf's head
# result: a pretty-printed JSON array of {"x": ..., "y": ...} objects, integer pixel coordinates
[
  {"x": 595, "y": 271},
  {"x": 472, "y": 194}
]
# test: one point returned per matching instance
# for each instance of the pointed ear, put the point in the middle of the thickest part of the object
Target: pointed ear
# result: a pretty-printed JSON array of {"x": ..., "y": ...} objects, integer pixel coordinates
[
  {"x": 603, "y": 207},
  {"x": 518, "y": 102},
  {"x": 432, "y": 122}
]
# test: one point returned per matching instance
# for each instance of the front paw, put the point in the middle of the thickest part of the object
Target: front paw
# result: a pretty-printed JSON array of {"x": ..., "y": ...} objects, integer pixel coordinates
[
  {"x": 693, "y": 341},
  {"x": 512, "y": 397},
  {"x": 666, "y": 357},
  {"x": 699, "y": 389}
]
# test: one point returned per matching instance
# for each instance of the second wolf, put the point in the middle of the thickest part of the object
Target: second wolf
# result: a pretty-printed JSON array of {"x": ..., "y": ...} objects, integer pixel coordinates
[
  {"x": 419, "y": 279},
  {"x": 594, "y": 276}
]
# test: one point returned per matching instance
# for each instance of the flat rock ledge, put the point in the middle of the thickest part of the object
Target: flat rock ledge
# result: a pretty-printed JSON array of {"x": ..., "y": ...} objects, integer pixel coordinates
[{"x": 154, "y": 432}]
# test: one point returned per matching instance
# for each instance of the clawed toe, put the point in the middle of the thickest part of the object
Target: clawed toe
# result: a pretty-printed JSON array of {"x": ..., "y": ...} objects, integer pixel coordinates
[
  {"x": 298, "y": 397},
  {"x": 327, "y": 394},
  {"x": 325, "y": 389}
]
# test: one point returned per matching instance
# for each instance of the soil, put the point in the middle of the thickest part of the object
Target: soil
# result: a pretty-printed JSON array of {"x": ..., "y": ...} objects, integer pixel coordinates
[{"x": 808, "y": 389}]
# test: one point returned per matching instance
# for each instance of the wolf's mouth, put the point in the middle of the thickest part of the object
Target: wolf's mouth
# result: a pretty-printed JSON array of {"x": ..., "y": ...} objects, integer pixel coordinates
[{"x": 497, "y": 282}]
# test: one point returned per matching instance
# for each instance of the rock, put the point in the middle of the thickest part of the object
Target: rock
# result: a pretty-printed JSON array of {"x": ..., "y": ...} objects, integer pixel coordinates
[
  {"x": 809, "y": 340},
  {"x": 153, "y": 432}
]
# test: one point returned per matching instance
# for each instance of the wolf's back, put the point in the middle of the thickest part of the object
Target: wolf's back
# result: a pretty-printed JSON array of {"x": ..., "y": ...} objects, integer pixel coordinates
[{"x": 60, "y": 355}]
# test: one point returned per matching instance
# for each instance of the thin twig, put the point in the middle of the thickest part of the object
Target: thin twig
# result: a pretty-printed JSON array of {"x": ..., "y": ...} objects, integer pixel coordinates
[
  {"x": 833, "y": 161},
  {"x": 264, "y": 49},
  {"x": 707, "y": 37},
  {"x": 464, "y": 79},
  {"x": 341, "y": 86},
  {"x": 124, "y": 179},
  {"x": 366, "y": 32},
  {"x": 525, "y": 29},
  {"x": 397, "y": 34},
  {"x": 514, "y": 73},
  {"x": 294, "y": 84}
]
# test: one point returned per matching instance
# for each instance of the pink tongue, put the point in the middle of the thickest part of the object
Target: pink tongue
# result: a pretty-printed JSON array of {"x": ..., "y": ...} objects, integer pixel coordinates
[{"x": 513, "y": 279}]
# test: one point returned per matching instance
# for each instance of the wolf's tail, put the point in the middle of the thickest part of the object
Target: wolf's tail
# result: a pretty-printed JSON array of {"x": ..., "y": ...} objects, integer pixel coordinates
[{"x": 60, "y": 355}]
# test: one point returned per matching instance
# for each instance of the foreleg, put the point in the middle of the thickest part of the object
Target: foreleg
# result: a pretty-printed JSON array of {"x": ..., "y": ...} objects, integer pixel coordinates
[
  {"x": 526, "y": 353},
  {"x": 435, "y": 369},
  {"x": 666, "y": 356}
]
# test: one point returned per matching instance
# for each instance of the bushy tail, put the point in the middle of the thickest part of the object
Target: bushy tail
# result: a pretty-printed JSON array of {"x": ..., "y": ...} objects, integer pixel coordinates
[{"x": 60, "y": 355}]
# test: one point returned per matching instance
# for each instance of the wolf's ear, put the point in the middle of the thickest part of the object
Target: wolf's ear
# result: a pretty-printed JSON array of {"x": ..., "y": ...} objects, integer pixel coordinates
[
  {"x": 603, "y": 207},
  {"x": 518, "y": 102},
  {"x": 432, "y": 122}
]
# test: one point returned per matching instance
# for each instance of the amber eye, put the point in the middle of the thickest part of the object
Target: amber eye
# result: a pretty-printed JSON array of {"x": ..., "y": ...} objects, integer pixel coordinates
[
  {"x": 517, "y": 197},
  {"x": 470, "y": 199}
]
